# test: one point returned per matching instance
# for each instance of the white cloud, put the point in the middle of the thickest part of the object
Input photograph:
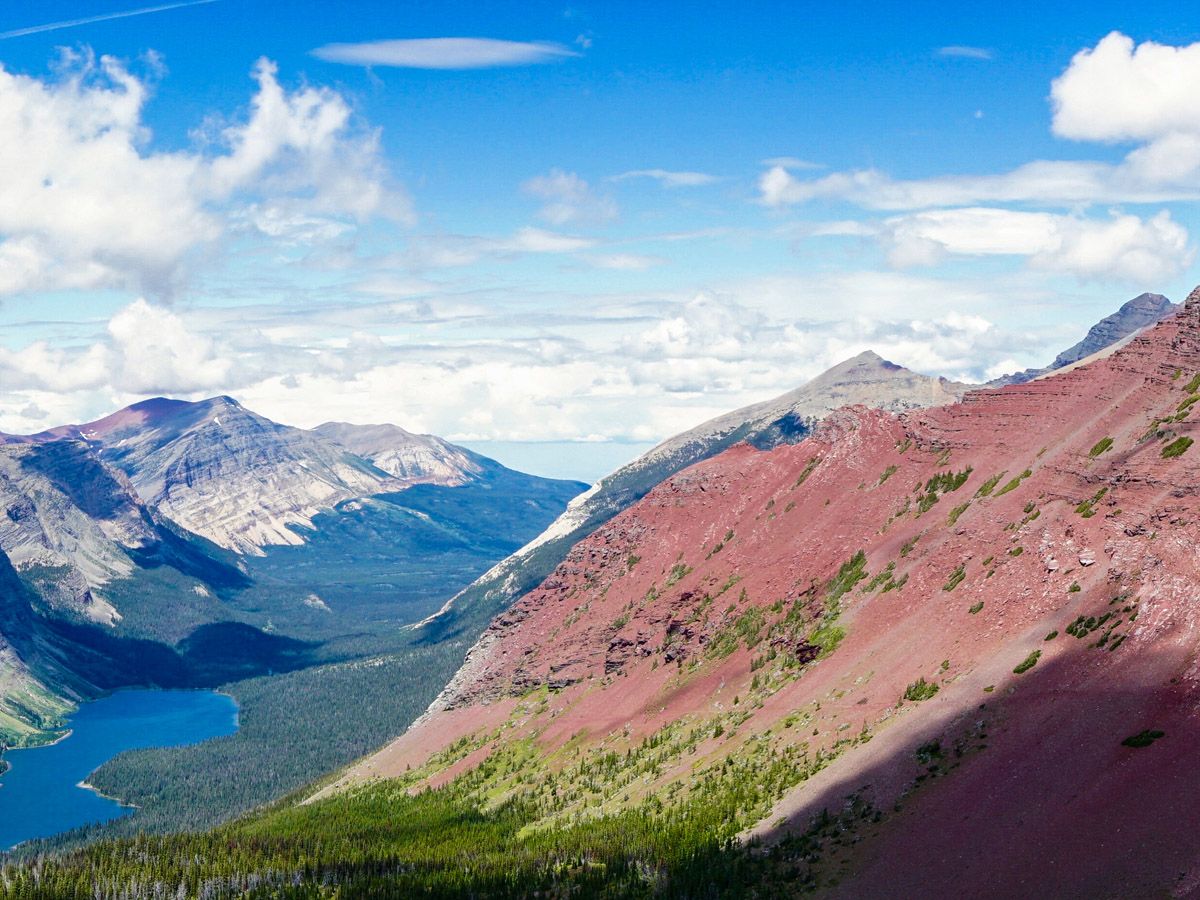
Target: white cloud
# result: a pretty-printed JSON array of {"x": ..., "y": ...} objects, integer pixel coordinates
[
  {"x": 1115, "y": 91},
  {"x": 155, "y": 353},
  {"x": 445, "y": 53},
  {"x": 1122, "y": 247},
  {"x": 962, "y": 51},
  {"x": 668, "y": 178},
  {"x": 628, "y": 262},
  {"x": 436, "y": 251},
  {"x": 791, "y": 162},
  {"x": 146, "y": 349},
  {"x": 537, "y": 240},
  {"x": 492, "y": 365},
  {"x": 568, "y": 199},
  {"x": 85, "y": 204}
]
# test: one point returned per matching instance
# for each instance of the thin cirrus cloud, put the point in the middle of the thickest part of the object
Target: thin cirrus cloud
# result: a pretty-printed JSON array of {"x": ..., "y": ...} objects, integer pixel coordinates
[
  {"x": 668, "y": 178},
  {"x": 445, "y": 53},
  {"x": 962, "y": 51},
  {"x": 106, "y": 17}
]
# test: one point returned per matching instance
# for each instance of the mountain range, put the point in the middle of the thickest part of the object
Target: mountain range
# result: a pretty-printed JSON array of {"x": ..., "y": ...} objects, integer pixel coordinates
[
  {"x": 171, "y": 523},
  {"x": 343, "y": 534},
  {"x": 947, "y": 652},
  {"x": 866, "y": 379}
]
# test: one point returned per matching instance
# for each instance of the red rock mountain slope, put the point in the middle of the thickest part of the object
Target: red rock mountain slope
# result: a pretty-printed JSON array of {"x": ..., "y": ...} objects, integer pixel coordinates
[{"x": 1006, "y": 680}]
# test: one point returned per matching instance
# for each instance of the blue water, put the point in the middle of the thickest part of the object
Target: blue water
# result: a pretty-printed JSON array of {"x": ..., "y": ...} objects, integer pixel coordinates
[{"x": 40, "y": 794}]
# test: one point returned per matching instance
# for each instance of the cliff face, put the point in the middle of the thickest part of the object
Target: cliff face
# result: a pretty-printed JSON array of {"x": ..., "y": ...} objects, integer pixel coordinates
[
  {"x": 412, "y": 458},
  {"x": 983, "y": 615}
]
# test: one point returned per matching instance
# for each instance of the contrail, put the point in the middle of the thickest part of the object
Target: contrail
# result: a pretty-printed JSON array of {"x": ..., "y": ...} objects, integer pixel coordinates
[{"x": 71, "y": 23}]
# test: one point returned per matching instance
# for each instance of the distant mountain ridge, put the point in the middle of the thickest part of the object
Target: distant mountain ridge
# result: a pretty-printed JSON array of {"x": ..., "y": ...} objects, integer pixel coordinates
[
  {"x": 245, "y": 482},
  {"x": 1140, "y": 312},
  {"x": 865, "y": 379},
  {"x": 413, "y": 458},
  {"x": 181, "y": 543}
]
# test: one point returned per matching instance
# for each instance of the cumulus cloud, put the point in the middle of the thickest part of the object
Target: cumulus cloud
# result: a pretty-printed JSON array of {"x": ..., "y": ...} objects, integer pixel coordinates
[
  {"x": 146, "y": 349},
  {"x": 155, "y": 353},
  {"x": 568, "y": 199},
  {"x": 668, "y": 178},
  {"x": 468, "y": 363},
  {"x": 445, "y": 53},
  {"x": 1115, "y": 91},
  {"x": 84, "y": 203},
  {"x": 1119, "y": 91},
  {"x": 1121, "y": 247}
]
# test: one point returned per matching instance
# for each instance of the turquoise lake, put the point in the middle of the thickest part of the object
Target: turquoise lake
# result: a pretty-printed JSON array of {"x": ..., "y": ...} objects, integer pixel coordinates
[{"x": 40, "y": 793}]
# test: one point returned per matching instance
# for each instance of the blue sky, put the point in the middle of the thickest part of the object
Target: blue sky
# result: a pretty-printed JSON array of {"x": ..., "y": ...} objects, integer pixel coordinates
[{"x": 647, "y": 218}]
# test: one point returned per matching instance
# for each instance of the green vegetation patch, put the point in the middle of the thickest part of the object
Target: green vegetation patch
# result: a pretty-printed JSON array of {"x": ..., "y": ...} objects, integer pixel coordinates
[
  {"x": 1027, "y": 663},
  {"x": 1102, "y": 446},
  {"x": 678, "y": 572},
  {"x": 1143, "y": 738},
  {"x": 941, "y": 483},
  {"x": 975, "y": 608},
  {"x": 883, "y": 577},
  {"x": 828, "y": 634},
  {"x": 956, "y": 578},
  {"x": 920, "y": 690},
  {"x": 500, "y": 830},
  {"x": 1177, "y": 447},
  {"x": 1015, "y": 483},
  {"x": 745, "y": 629},
  {"x": 985, "y": 489},
  {"x": 956, "y": 512},
  {"x": 809, "y": 468},
  {"x": 1087, "y": 507}
]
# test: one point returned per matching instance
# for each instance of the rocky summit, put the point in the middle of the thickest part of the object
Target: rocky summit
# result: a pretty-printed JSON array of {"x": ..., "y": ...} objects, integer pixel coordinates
[
  {"x": 1141, "y": 312},
  {"x": 244, "y": 482},
  {"x": 972, "y": 628}
]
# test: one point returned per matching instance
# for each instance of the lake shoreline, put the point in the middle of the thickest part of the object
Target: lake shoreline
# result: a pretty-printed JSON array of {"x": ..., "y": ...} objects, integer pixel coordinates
[
  {"x": 51, "y": 792},
  {"x": 88, "y": 786}
]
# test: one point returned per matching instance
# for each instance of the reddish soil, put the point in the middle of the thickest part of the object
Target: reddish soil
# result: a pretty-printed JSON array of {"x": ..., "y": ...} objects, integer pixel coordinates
[{"x": 1042, "y": 798}]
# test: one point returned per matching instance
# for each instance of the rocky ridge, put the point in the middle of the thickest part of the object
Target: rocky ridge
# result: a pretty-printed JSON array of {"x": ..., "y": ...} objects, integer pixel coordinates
[
  {"x": 1141, "y": 312},
  {"x": 866, "y": 379},
  {"x": 980, "y": 616},
  {"x": 244, "y": 482}
]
